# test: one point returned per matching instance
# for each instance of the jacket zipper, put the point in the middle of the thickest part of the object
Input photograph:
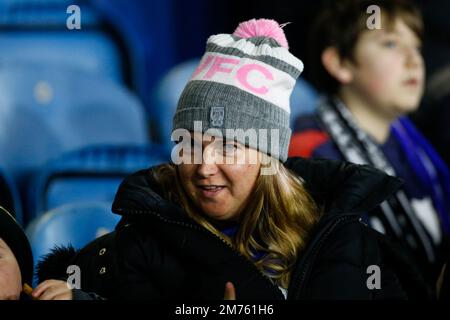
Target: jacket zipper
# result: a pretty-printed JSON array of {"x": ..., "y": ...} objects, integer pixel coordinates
[
  {"x": 198, "y": 228},
  {"x": 297, "y": 283}
]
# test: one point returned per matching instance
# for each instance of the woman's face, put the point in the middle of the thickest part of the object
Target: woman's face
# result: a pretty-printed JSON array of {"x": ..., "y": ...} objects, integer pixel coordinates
[
  {"x": 223, "y": 182},
  {"x": 10, "y": 278}
]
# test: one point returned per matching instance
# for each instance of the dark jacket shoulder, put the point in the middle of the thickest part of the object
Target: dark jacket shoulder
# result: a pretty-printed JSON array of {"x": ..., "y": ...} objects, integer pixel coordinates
[{"x": 343, "y": 252}]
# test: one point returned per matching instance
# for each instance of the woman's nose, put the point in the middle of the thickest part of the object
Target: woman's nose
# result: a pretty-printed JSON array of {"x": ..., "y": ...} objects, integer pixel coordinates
[{"x": 209, "y": 163}]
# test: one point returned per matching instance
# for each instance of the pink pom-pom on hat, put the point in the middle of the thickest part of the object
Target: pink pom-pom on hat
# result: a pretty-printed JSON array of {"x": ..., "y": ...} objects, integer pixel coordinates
[{"x": 262, "y": 28}]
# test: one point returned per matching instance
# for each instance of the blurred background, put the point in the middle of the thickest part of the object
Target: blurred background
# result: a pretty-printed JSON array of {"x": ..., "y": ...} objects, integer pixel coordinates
[{"x": 87, "y": 95}]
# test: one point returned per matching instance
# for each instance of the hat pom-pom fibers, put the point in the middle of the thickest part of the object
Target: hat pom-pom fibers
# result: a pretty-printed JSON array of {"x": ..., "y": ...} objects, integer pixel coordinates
[{"x": 262, "y": 28}]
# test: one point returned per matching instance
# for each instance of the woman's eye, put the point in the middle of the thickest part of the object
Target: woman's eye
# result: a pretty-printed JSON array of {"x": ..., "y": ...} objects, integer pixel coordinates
[
  {"x": 195, "y": 145},
  {"x": 229, "y": 148}
]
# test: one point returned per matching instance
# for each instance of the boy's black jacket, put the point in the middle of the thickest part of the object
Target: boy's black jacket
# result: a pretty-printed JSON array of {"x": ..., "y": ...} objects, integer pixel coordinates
[{"x": 158, "y": 252}]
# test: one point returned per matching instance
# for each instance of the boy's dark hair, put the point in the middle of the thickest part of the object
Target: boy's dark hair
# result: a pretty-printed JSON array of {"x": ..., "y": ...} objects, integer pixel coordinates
[{"x": 340, "y": 23}]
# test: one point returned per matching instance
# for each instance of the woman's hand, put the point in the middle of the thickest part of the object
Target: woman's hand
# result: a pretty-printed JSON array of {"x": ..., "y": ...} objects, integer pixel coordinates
[
  {"x": 230, "y": 292},
  {"x": 52, "y": 290}
]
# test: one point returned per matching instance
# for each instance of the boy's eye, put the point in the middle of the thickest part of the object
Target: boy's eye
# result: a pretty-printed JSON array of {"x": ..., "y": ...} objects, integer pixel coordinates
[{"x": 389, "y": 44}]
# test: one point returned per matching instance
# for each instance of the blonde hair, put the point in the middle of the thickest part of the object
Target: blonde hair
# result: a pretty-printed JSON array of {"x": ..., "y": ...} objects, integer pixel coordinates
[{"x": 276, "y": 220}]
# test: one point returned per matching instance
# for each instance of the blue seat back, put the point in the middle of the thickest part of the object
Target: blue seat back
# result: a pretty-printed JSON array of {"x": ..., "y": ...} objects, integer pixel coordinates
[
  {"x": 149, "y": 28},
  {"x": 95, "y": 53},
  {"x": 9, "y": 197},
  {"x": 43, "y": 13},
  {"x": 74, "y": 224},
  {"x": 165, "y": 97},
  {"x": 89, "y": 174},
  {"x": 47, "y": 110},
  {"x": 304, "y": 99},
  {"x": 35, "y": 31}
]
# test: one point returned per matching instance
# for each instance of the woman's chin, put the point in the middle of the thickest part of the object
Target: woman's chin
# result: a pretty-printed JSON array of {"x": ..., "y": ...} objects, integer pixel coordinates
[{"x": 219, "y": 215}]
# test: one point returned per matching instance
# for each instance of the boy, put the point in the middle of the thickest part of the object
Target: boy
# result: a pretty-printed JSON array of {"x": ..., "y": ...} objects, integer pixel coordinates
[
  {"x": 16, "y": 260},
  {"x": 372, "y": 77}
]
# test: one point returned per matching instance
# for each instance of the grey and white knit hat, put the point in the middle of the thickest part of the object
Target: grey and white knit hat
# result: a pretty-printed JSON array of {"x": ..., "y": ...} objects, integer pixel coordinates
[{"x": 244, "y": 81}]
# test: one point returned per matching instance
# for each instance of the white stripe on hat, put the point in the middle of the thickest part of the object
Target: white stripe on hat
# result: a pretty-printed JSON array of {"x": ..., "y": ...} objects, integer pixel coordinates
[
  {"x": 252, "y": 76},
  {"x": 247, "y": 47}
]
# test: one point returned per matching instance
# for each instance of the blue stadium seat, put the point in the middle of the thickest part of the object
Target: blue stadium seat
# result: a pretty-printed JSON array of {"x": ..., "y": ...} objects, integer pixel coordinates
[
  {"x": 46, "y": 110},
  {"x": 149, "y": 28},
  {"x": 89, "y": 51},
  {"x": 9, "y": 197},
  {"x": 73, "y": 224},
  {"x": 304, "y": 99},
  {"x": 90, "y": 174},
  {"x": 35, "y": 31},
  {"x": 43, "y": 13},
  {"x": 166, "y": 95}
]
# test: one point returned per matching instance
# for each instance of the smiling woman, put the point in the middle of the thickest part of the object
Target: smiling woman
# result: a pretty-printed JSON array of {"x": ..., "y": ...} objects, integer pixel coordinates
[
  {"x": 223, "y": 196},
  {"x": 224, "y": 228}
]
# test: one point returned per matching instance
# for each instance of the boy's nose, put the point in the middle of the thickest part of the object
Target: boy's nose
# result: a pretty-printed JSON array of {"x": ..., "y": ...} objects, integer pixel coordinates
[{"x": 413, "y": 58}]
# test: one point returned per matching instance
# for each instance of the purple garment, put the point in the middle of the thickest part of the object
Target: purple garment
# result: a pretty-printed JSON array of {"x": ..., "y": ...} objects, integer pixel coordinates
[{"x": 416, "y": 183}]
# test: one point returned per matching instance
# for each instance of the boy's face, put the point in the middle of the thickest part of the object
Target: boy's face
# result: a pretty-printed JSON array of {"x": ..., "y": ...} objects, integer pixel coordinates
[
  {"x": 389, "y": 69},
  {"x": 10, "y": 278}
]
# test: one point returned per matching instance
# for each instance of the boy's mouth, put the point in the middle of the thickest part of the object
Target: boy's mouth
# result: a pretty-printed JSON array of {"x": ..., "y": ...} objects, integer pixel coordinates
[{"x": 414, "y": 82}]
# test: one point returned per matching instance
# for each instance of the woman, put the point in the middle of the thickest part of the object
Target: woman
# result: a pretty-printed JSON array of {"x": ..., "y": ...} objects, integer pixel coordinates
[{"x": 230, "y": 217}]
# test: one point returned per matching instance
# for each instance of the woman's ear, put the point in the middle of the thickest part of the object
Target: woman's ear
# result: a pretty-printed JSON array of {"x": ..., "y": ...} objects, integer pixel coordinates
[{"x": 335, "y": 66}]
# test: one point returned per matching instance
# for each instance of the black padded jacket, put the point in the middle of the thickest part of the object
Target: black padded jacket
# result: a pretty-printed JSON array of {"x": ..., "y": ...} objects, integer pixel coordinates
[{"x": 158, "y": 252}]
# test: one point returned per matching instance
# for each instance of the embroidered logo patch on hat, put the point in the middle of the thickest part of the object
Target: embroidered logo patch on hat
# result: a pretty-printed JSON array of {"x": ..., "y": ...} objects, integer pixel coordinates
[{"x": 216, "y": 116}]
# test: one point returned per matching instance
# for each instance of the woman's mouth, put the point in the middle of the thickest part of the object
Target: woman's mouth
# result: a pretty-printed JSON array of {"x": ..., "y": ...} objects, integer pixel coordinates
[{"x": 211, "y": 190}]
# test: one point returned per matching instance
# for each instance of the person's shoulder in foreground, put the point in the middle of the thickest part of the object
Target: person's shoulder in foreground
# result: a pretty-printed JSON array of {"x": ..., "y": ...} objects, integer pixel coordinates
[{"x": 16, "y": 260}]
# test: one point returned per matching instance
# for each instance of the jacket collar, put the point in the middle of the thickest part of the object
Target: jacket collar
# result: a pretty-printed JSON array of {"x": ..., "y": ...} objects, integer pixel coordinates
[{"x": 343, "y": 187}]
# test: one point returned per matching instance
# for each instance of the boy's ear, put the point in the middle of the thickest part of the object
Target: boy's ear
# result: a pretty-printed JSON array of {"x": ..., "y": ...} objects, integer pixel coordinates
[{"x": 335, "y": 66}]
